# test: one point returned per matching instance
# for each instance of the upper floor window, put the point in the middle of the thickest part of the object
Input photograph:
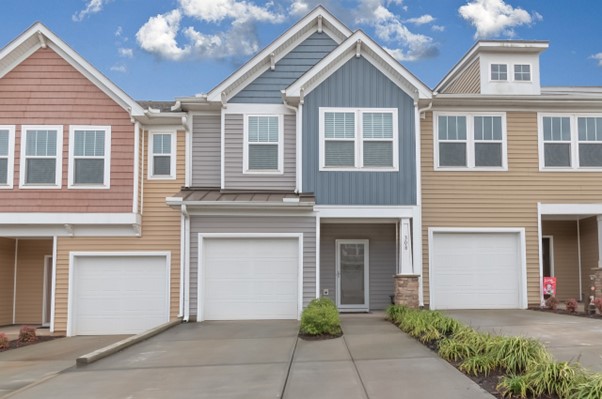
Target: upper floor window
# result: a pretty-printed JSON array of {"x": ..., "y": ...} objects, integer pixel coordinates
[
  {"x": 263, "y": 146},
  {"x": 364, "y": 139},
  {"x": 41, "y": 156},
  {"x": 476, "y": 141},
  {"x": 499, "y": 72},
  {"x": 522, "y": 72},
  {"x": 571, "y": 141},
  {"x": 7, "y": 154},
  {"x": 89, "y": 156},
  {"x": 162, "y": 155}
]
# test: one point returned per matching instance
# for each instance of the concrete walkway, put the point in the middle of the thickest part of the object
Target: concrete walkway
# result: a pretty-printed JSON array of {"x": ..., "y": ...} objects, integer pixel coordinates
[
  {"x": 264, "y": 359},
  {"x": 567, "y": 337}
]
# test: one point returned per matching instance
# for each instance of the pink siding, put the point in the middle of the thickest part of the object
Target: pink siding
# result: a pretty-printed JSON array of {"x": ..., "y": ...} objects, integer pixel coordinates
[{"x": 45, "y": 90}]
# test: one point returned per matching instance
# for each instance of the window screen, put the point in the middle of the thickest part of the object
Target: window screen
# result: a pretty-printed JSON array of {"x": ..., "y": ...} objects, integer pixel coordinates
[
  {"x": 4, "y": 151},
  {"x": 40, "y": 156},
  {"x": 263, "y": 137},
  {"x": 162, "y": 153},
  {"x": 590, "y": 141},
  {"x": 378, "y": 139},
  {"x": 557, "y": 141},
  {"x": 339, "y": 135},
  {"x": 89, "y": 156}
]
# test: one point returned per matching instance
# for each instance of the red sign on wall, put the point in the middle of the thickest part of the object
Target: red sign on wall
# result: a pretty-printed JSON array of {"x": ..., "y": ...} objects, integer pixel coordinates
[{"x": 549, "y": 286}]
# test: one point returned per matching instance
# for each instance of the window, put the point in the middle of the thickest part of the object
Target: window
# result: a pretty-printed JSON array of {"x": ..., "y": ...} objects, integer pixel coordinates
[
  {"x": 474, "y": 141},
  {"x": 41, "y": 156},
  {"x": 162, "y": 155},
  {"x": 571, "y": 142},
  {"x": 7, "y": 156},
  {"x": 89, "y": 156},
  {"x": 263, "y": 144},
  {"x": 522, "y": 72},
  {"x": 364, "y": 139},
  {"x": 499, "y": 72}
]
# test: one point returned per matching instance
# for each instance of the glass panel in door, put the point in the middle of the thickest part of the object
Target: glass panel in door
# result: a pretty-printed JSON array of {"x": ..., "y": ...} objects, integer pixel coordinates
[{"x": 352, "y": 274}]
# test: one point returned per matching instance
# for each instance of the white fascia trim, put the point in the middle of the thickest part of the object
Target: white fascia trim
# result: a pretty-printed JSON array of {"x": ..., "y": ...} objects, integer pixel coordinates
[
  {"x": 172, "y": 156},
  {"x": 346, "y": 51},
  {"x": 35, "y": 218},
  {"x": 329, "y": 211},
  {"x": 77, "y": 254},
  {"x": 222, "y": 160},
  {"x": 106, "y": 159},
  {"x": 58, "y": 183},
  {"x": 245, "y": 149},
  {"x": 523, "y": 300},
  {"x": 215, "y": 93},
  {"x": 570, "y": 209},
  {"x": 11, "y": 157},
  {"x": 201, "y": 266},
  {"x": 248, "y": 205},
  {"x": 53, "y": 287},
  {"x": 137, "y": 167},
  {"x": 299, "y": 150},
  {"x": 258, "y": 109}
]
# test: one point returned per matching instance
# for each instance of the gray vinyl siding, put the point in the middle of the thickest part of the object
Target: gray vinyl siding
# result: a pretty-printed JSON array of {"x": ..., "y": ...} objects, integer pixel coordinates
[
  {"x": 234, "y": 141},
  {"x": 256, "y": 224},
  {"x": 206, "y": 151},
  {"x": 266, "y": 88},
  {"x": 359, "y": 84},
  {"x": 382, "y": 250}
]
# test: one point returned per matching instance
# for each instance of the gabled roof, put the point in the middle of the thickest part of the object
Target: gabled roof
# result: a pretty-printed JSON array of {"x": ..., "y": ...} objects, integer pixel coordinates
[
  {"x": 316, "y": 20},
  {"x": 39, "y": 36},
  {"x": 359, "y": 44},
  {"x": 491, "y": 46}
]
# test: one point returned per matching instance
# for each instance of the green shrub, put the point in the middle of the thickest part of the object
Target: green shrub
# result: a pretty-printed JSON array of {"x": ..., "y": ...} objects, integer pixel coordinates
[
  {"x": 321, "y": 317},
  {"x": 554, "y": 378},
  {"x": 516, "y": 354},
  {"x": 453, "y": 350},
  {"x": 589, "y": 388},
  {"x": 27, "y": 335},
  {"x": 479, "y": 364},
  {"x": 395, "y": 313},
  {"x": 513, "y": 386},
  {"x": 3, "y": 341}
]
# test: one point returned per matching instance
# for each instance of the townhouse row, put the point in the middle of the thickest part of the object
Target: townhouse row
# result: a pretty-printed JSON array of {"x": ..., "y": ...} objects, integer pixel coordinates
[{"x": 321, "y": 168}]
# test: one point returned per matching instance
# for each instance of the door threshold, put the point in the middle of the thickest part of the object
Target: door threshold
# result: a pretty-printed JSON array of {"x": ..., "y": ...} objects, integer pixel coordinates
[{"x": 354, "y": 311}]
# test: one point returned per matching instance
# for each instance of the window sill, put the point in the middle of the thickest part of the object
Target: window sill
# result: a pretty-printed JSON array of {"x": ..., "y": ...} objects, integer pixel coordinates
[
  {"x": 564, "y": 170},
  {"x": 161, "y": 178},
  {"x": 262, "y": 172},
  {"x": 371, "y": 169},
  {"x": 40, "y": 187},
  {"x": 88, "y": 187},
  {"x": 467, "y": 169}
]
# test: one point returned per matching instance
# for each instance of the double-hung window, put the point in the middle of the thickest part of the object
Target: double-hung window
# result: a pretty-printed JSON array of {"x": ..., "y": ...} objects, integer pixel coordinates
[
  {"x": 162, "y": 155},
  {"x": 358, "y": 139},
  {"x": 41, "y": 156},
  {"x": 570, "y": 142},
  {"x": 470, "y": 141},
  {"x": 263, "y": 149},
  {"x": 7, "y": 154},
  {"x": 89, "y": 156}
]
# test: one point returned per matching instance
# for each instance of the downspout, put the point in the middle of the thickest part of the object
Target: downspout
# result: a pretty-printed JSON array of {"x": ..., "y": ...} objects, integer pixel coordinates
[
  {"x": 53, "y": 288},
  {"x": 136, "y": 166},
  {"x": 298, "y": 164},
  {"x": 185, "y": 274},
  {"x": 143, "y": 175},
  {"x": 15, "y": 281}
]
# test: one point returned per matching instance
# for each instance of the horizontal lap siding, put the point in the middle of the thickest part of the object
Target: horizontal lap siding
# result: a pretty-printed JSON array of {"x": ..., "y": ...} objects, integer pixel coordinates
[
  {"x": 160, "y": 232},
  {"x": 500, "y": 199},
  {"x": 566, "y": 256},
  {"x": 7, "y": 268},
  {"x": 30, "y": 280},
  {"x": 45, "y": 90},
  {"x": 206, "y": 150},
  {"x": 469, "y": 82},
  {"x": 249, "y": 224},
  {"x": 234, "y": 141}
]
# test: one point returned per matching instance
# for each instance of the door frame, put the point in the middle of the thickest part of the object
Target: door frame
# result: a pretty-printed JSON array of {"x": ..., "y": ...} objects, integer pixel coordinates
[
  {"x": 353, "y": 308},
  {"x": 551, "y": 238},
  {"x": 46, "y": 290}
]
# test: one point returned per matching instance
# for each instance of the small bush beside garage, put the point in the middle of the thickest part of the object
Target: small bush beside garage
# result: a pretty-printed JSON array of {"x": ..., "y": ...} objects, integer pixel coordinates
[{"x": 320, "y": 320}]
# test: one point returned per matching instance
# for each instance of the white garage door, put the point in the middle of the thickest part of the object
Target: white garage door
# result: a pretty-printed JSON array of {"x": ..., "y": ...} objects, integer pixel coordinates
[
  {"x": 249, "y": 278},
  {"x": 475, "y": 271},
  {"x": 119, "y": 294}
]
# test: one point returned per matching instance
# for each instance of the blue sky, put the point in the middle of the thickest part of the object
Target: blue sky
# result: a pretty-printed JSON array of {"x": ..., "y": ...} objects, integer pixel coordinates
[{"x": 162, "y": 49}]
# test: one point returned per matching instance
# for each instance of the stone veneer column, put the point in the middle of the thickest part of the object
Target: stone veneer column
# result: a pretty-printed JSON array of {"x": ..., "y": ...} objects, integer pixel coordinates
[
  {"x": 596, "y": 282},
  {"x": 406, "y": 290}
]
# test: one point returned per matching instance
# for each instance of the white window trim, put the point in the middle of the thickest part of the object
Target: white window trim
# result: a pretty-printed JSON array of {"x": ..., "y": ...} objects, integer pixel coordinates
[
  {"x": 59, "y": 158},
  {"x": 245, "y": 151},
  {"x": 151, "y": 157},
  {"x": 107, "y": 158},
  {"x": 491, "y": 64},
  {"x": 359, "y": 140},
  {"x": 530, "y": 73},
  {"x": 470, "y": 143},
  {"x": 11, "y": 157},
  {"x": 574, "y": 143}
]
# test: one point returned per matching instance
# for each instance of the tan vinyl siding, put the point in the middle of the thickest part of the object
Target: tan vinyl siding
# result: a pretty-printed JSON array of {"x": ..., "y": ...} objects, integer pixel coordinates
[
  {"x": 382, "y": 258},
  {"x": 7, "y": 270},
  {"x": 30, "y": 280},
  {"x": 566, "y": 256},
  {"x": 160, "y": 232},
  {"x": 500, "y": 199},
  {"x": 468, "y": 82},
  {"x": 206, "y": 151},
  {"x": 234, "y": 141},
  {"x": 588, "y": 237}
]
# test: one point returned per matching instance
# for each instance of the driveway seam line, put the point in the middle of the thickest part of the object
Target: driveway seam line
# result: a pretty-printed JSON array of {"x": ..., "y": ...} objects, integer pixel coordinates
[
  {"x": 357, "y": 371},
  {"x": 290, "y": 366}
]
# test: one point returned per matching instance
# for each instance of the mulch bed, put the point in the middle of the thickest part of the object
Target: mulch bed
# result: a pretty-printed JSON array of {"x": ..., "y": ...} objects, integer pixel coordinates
[
  {"x": 14, "y": 344},
  {"x": 322, "y": 337},
  {"x": 566, "y": 312}
]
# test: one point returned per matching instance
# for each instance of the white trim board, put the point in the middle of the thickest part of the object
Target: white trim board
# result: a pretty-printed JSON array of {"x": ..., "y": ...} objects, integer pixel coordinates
[
  {"x": 360, "y": 211},
  {"x": 570, "y": 209},
  {"x": 42, "y": 218}
]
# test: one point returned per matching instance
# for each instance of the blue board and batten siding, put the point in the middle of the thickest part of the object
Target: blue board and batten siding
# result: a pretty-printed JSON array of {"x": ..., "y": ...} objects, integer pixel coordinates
[
  {"x": 266, "y": 88},
  {"x": 359, "y": 84}
]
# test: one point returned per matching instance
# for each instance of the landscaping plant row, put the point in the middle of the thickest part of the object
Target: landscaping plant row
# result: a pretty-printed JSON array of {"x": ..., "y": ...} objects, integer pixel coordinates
[
  {"x": 526, "y": 368},
  {"x": 27, "y": 335}
]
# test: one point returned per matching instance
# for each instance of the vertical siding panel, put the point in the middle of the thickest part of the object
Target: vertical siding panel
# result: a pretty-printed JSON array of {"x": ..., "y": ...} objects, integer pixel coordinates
[
  {"x": 359, "y": 84},
  {"x": 206, "y": 150},
  {"x": 7, "y": 269}
]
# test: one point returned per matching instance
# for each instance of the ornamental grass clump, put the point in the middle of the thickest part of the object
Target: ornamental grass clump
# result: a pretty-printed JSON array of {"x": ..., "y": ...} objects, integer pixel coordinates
[
  {"x": 3, "y": 341},
  {"x": 589, "y": 388},
  {"x": 321, "y": 317},
  {"x": 27, "y": 335}
]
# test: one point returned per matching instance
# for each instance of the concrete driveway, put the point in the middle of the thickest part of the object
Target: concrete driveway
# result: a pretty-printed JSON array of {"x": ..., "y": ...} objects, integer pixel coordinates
[
  {"x": 567, "y": 337},
  {"x": 264, "y": 359}
]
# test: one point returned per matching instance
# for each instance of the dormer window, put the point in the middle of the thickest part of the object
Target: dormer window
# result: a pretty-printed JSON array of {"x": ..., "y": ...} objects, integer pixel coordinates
[
  {"x": 499, "y": 72},
  {"x": 522, "y": 72}
]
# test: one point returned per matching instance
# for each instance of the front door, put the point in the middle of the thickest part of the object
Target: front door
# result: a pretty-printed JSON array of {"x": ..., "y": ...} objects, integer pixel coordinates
[{"x": 352, "y": 275}]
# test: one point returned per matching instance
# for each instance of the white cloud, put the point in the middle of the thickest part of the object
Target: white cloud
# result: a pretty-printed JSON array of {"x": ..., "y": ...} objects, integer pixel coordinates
[
  {"x": 438, "y": 28},
  {"x": 389, "y": 28},
  {"x": 92, "y": 7},
  {"x": 598, "y": 58},
  {"x": 217, "y": 10},
  {"x": 125, "y": 52},
  {"x": 493, "y": 18},
  {"x": 118, "y": 31},
  {"x": 299, "y": 7},
  {"x": 158, "y": 36},
  {"x": 422, "y": 20},
  {"x": 121, "y": 68}
]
